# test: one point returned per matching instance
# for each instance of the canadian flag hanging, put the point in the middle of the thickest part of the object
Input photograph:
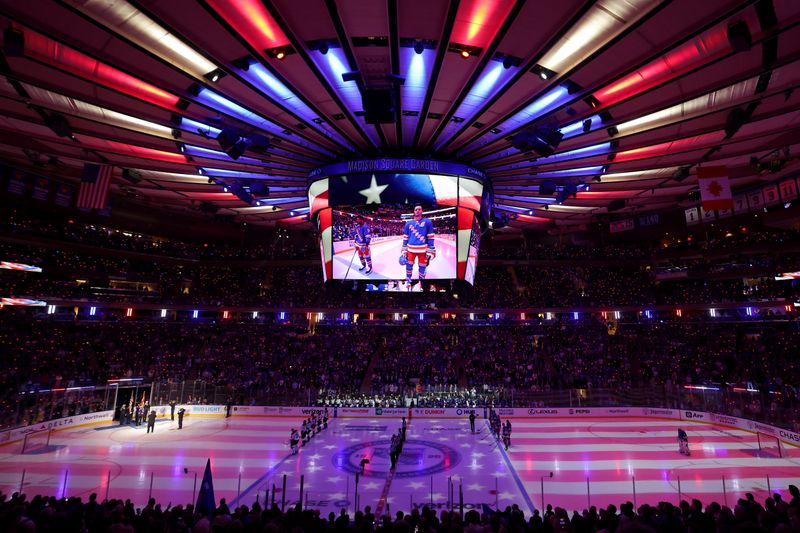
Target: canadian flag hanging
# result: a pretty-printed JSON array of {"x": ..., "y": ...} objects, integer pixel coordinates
[{"x": 715, "y": 189}]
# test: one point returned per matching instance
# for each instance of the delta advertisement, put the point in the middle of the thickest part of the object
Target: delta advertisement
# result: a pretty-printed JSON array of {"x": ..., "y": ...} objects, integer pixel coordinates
[{"x": 15, "y": 434}]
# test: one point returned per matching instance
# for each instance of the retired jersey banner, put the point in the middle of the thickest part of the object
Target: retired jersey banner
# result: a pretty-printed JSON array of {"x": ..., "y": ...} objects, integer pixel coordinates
[
  {"x": 771, "y": 196},
  {"x": 692, "y": 216},
  {"x": 755, "y": 199},
  {"x": 715, "y": 189},
  {"x": 788, "y": 190},
  {"x": 740, "y": 204}
]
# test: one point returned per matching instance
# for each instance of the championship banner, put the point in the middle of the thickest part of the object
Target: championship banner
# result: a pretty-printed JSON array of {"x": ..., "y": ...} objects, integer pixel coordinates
[
  {"x": 621, "y": 225},
  {"x": 41, "y": 189},
  {"x": 16, "y": 183},
  {"x": 63, "y": 195}
]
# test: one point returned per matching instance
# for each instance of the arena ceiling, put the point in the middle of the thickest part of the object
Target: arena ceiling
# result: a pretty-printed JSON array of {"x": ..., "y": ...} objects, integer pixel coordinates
[{"x": 640, "y": 93}]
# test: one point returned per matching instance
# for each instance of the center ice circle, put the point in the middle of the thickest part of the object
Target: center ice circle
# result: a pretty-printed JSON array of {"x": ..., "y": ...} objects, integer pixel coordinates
[{"x": 419, "y": 458}]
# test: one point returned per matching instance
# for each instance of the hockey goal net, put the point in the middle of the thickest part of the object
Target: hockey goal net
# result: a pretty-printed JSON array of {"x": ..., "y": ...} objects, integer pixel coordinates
[
  {"x": 36, "y": 441},
  {"x": 769, "y": 445}
]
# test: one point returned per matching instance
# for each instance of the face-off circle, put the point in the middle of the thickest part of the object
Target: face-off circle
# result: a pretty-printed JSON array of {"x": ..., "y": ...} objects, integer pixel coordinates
[{"x": 419, "y": 458}]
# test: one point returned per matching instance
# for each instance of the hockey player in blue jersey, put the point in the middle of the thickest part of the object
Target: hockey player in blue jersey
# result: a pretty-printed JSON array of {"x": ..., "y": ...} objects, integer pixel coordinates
[
  {"x": 418, "y": 244},
  {"x": 362, "y": 239}
]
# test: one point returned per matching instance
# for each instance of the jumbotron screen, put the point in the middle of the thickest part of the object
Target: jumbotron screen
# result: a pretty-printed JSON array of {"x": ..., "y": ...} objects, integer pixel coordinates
[{"x": 394, "y": 227}]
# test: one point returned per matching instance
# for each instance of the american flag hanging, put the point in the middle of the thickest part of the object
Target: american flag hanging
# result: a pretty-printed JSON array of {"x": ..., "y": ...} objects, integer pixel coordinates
[{"x": 93, "y": 193}]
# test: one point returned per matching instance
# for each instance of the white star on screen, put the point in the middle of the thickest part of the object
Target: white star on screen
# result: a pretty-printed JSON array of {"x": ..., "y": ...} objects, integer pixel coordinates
[
  {"x": 315, "y": 457},
  {"x": 335, "y": 479},
  {"x": 477, "y": 487},
  {"x": 372, "y": 485},
  {"x": 330, "y": 447},
  {"x": 373, "y": 194},
  {"x": 416, "y": 485},
  {"x": 507, "y": 496}
]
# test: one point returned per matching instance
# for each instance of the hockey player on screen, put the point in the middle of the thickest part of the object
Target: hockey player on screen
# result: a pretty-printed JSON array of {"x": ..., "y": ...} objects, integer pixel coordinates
[
  {"x": 417, "y": 244},
  {"x": 362, "y": 239}
]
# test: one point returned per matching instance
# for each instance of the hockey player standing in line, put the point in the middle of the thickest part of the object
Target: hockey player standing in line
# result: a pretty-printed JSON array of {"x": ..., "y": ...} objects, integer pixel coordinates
[
  {"x": 507, "y": 434},
  {"x": 418, "y": 244},
  {"x": 362, "y": 239}
]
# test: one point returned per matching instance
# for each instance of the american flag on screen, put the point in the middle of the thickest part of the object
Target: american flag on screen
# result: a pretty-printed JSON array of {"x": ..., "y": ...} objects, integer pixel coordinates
[{"x": 93, "y": 193}]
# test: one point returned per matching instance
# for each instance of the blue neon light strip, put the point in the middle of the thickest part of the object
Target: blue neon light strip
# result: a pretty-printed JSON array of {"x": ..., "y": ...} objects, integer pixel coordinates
[
  {"x": 199, "y": 151},
  {"x": 220, "y": 103},
  {"x": 528, "y": 199},
  {"x": 551, "y": 100},
  {"x": 279, "y": 201},
  {"x": 333, "y": 65},
  {"x": 273, "y": 189},
  {"x": 582, "y": 171},
  {"x": 200, "y": 128},
  {"x": 417, "y": 69},
  {"x": 567, "y": 172},
  {"x": 291, "y": 155},
  {"x": 506, "y": 152},
  {"x": 494, "y": 76},
  {"x": 194, "y": 126},
  {"x": 224, "y": 173},
  {"x": 513, "y": 208},
  {"x": 571, "y": 130},
  {"x": 262, "y": 78},
  {"x": 586, "y": 151}
]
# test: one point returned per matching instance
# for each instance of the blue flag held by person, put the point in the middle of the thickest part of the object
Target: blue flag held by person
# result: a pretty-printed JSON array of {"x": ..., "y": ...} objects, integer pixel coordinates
[{"x": 205, "y": 498}]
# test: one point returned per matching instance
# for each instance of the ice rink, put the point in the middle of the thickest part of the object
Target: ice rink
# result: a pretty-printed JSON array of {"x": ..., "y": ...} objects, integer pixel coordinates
[
  {"x": 385, "y": 265},
  {"x": 593, "y": 461}
]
